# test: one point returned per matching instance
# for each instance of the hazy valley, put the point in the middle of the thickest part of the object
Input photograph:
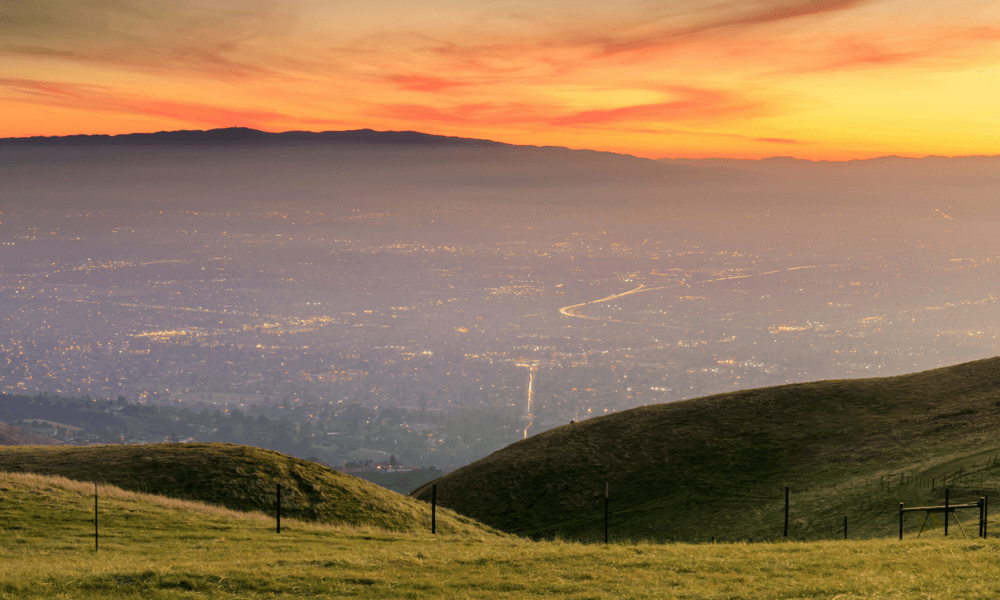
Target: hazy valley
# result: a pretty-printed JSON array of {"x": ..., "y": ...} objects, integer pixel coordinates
[{"x": 437, "y": 299}]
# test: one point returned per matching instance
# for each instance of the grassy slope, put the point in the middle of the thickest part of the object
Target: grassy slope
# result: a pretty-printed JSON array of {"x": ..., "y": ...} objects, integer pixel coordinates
[
  {"x": 153, "y": 547},
  {"x": 15, "y": 436},
  {"x": 834, "y": 438},
  {"x": 237, "y": 477}
]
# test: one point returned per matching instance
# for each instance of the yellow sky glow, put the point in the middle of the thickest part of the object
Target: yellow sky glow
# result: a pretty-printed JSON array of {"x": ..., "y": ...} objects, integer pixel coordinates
[{"x": 835, "y": 79}]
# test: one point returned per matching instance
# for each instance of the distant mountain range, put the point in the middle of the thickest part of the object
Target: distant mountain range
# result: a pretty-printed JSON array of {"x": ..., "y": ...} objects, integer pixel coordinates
[
  {"x": 247, "y": 136},
  {"x": 239, "y": 164},
  {"x": 224, "y": 167},
  {"x": 244, "y": 135}
]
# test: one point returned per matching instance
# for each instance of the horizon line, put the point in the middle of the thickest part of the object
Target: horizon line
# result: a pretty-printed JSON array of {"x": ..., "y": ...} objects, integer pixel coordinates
[{"x": 428, "y": 138}]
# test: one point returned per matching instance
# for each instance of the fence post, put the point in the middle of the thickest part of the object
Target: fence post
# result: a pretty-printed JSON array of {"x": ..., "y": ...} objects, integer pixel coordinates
[
  {"x": 947, "y": 517},
  {"x": 606, "y": 490},
  {"x": 845, "y": 527},
  {"x": 277, "y": 507},
  {"x": 95, "y": 516},
  {"x": 786, "y": 511},
  {"x": 986, "y": 514},
  {"x": 434, "y": 501},
  {"x": 980, "y": 516},
  {"x": 900, "y": 520}
]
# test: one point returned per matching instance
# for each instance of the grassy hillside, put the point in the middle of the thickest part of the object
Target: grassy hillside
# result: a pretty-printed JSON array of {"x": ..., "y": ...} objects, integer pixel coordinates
[
  {"x": 154, "y": 547},
  {"x": 15, "y": 436},
  {"x": 237, "y": 477},
  {"x": 717, "y": 466}
]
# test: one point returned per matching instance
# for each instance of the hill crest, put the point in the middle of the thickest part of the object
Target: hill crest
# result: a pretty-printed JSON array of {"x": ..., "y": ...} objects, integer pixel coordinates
[
  {"x": 733, "y": 453},
  {"x": 240, "y": 478}
]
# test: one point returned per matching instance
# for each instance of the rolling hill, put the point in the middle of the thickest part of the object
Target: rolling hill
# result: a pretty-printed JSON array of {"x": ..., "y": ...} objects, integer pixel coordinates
[
  {"x": 716, "y": 467},
  {"x": 157, "y": 547},
  {"x": 15, "y": 436},
  {"x": 240, "y": 478}
]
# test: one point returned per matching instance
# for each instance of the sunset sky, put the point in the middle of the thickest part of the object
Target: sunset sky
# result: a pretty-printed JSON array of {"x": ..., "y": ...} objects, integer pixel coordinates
[{"x": 817, "y": 79}]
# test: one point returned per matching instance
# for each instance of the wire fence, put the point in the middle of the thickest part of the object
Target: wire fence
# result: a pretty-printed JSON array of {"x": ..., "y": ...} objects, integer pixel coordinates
[
  {"x": 868, "y": 496},
  {"x": 869, "y": 504}
]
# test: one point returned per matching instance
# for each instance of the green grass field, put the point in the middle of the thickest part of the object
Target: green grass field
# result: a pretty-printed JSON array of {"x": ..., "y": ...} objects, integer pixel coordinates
[
  {"x": 236, "y": 477},
  {"x": 155, "y": 547}
]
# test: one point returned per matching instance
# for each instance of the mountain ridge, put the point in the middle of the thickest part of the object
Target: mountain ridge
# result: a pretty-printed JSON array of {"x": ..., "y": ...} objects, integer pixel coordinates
[
  {"x": 228, "y": 135},
  {"x": 247, "y": 135}
]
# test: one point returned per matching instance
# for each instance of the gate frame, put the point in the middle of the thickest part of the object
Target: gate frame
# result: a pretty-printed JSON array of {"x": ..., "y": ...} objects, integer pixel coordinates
[{"x": 948, "y": 509}]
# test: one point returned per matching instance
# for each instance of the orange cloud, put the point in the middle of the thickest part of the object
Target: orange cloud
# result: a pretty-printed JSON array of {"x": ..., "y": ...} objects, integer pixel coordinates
[
  {"x": 481, "y": 114},
  {"x": 874, "y": 50},
  {"x": 420, "y": 83},
  {"x": 776, "y": 140},
  {"x": 694, "y": 104},
  {"x": 106, "y": 99},
  {"x": 761, "y": 14}
]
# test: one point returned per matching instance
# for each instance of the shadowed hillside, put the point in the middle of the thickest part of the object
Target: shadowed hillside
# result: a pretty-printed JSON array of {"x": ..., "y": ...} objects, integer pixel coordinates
[
  {"x": 15, "y": 436},
  {"x": 237, "y": 477},
  {"x": 717, "y": 466}
]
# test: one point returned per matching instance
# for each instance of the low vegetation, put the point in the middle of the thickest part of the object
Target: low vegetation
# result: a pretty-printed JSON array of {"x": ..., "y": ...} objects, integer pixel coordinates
[
  {"x": 716, "y": 467},
  {"x": 236, "y": 477},
  {"x": 154, "y": 547}
]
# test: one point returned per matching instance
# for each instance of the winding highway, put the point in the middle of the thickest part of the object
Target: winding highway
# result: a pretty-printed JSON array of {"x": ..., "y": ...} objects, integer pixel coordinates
[{"x": 572, "y": 310}]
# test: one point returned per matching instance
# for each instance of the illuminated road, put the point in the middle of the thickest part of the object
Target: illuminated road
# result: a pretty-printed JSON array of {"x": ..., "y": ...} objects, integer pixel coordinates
[
  {"x": 572, "y": 311},
  {"x": 568, "y": 310},
  {"x": 531, "y": 388},
  {"x": 531, "y": 385}
]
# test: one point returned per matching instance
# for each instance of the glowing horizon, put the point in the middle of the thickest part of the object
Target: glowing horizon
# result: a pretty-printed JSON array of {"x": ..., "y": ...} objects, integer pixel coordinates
[{"x": 836, "y": 79}]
